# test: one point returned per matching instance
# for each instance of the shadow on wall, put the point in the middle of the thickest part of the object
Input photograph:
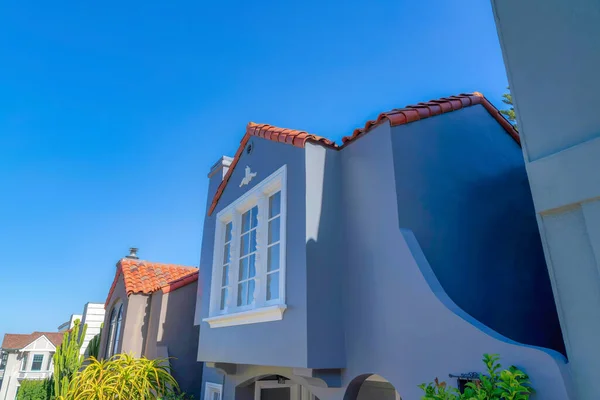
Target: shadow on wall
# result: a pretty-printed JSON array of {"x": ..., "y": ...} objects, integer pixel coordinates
[
  {"x": 369, "y": 387},
  {"x": 178, "y": 335},
  {"x": 475, "y": 222},
  {"x": 508, "y": 263}
]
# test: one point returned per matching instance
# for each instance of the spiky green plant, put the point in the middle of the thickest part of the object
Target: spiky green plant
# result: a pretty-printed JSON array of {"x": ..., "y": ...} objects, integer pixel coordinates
[
  {"x": 93, "y": 348},
  {"x": 67, "y": 359},
  {"x": 122, "y": 377}
]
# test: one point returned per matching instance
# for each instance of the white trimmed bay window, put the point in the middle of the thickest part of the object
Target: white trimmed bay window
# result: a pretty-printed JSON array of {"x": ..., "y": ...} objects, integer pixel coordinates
[{"x": 248, "y": 276}]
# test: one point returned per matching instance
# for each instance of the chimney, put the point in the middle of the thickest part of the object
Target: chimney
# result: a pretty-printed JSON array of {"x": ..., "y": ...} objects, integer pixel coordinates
[
  {"x": 133, "y": 253},
  {"x": 220, "y": 168}
]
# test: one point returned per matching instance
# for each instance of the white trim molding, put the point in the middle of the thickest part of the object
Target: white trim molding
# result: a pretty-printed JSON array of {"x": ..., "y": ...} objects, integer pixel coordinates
[
  {"x": 263, "y": 314},
  {"x": 250, "y": 259},
  {"x": 212, "y": 388}
]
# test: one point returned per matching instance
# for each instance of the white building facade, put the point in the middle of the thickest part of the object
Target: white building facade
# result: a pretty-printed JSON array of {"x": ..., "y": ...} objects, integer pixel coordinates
[
  {"x": 93, "y": 316},
  {"x": 26, "y": 357}
]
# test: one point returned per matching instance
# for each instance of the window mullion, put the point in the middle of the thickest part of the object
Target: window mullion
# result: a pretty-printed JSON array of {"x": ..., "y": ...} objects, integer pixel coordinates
[
  {"x": 235, "y": 260},
  {"x": 260, "y": 291}
]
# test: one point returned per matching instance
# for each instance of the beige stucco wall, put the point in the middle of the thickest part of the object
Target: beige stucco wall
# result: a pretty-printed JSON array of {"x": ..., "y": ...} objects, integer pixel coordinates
[{"x": 171, "y": 333}]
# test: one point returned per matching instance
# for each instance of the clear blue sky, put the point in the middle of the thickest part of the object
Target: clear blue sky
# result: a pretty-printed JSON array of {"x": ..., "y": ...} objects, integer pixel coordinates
[{"x": 111, "y": 114}]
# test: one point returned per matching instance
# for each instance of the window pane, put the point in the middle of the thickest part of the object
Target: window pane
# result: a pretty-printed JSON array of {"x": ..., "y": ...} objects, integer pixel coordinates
[
  {"x": 273, "y": 258},
  {"x": 226, "y": 254},
  {"x": 251, "y": 291},
  {"x": 36, "y": 365},
  {"x": 252, "y": 241},
  {"x": 252, "y": 266},
  {"x": 224, "y": 293},
  {"x": 225, "y": 277},
  {"x": 274, "y": 230},
  {"x": 245, "y": 245},
  {"x": 242, "y": 293},
  {"x": 228, "y": 232},
  {"x": 273, "y": 286},
  {"x": 246, "y": 221},
  {"x": 275, "y": 204},
  {"x": 243, "y": 275},
  {"x": 254, "y": 217}
]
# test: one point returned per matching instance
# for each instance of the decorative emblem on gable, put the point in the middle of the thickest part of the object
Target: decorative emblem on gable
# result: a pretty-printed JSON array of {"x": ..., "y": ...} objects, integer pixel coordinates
[{"x": 248, "y": 177}]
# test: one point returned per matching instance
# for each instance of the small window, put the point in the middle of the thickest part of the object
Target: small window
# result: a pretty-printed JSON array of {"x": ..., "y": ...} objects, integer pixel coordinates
[
  {"x": 36, "y": 365},
  {"x": 24, "y": 362},
  {"x": 3, "y": 359}
]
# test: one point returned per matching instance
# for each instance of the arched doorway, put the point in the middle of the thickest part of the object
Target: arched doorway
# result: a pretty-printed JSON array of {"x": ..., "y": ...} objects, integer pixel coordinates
[
  {"x": 371, "y": 387},
  {"x": 272, "y": 387}
]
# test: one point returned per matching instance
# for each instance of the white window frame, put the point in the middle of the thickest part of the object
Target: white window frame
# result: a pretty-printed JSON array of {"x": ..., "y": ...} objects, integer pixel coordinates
[
  {"x": 211, "y": 388},
  {"x": 41, "y": 363},
  {"x": 259, "y": 310}
]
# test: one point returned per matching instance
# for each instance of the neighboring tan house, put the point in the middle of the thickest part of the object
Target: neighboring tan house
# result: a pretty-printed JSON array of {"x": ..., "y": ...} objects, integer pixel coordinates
[
  {"x": 26, "y": 357},
  {"x": 150, "y": 312},
  {"x": 93, "y": 317},
  {"x": 361, "y": 270}
]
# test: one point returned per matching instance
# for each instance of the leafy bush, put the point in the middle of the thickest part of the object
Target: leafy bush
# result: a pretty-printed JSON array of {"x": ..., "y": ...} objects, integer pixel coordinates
[
  {"x": 35, "y": 390},
  {"x": 507, "y": 384},
  {"x": 122, "y": 377}
]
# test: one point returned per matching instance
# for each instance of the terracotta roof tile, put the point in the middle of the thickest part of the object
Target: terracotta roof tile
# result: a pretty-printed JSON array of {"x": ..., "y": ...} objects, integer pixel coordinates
[
  {"x": 431, "y": 108},
  {"x": 18, "y": 341},
  {"x": 399, "y": 116},
  {"x": 147, "y": 277},
  {"x": 284, "y": 135}
]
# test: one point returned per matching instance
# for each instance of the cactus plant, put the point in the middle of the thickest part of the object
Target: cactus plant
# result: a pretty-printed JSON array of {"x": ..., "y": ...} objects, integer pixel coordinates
[
  {"x": 67, "y": 358},
  {"x": 93, "y": 349}
]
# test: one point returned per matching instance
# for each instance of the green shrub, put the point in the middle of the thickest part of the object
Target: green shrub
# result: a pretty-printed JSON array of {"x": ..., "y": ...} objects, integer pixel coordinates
[
  {"x": 122, "y": 377},
  {"x": 35, "y": 390},
  {"x": 498, "y": 384}
]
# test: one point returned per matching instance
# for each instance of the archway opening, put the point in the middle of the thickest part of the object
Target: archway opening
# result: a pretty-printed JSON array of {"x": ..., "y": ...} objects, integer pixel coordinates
[
  {"x": 371, "y": 387},
  {"x": 272, "y": 387}
]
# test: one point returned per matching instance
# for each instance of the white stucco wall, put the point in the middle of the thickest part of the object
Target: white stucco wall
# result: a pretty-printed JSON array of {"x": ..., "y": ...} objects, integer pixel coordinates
[
  {"x": 15, "y": 371},
  {"x": 550, "y": 49},
  {"x": 93, "y": 316}
]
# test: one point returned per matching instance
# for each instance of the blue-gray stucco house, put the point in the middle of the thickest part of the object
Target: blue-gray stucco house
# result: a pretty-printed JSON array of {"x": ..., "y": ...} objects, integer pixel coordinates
[{"x": 358, "y": 271}]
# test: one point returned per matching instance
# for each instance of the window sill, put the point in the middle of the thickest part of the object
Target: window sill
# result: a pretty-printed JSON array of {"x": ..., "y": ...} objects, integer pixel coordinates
[{"x": 263, "y": 314}]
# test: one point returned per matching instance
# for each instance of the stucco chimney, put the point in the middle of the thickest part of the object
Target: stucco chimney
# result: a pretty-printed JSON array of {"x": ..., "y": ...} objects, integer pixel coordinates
[
  {"x": 221, "y": 167},
  {"x": 133, "y": 253}
]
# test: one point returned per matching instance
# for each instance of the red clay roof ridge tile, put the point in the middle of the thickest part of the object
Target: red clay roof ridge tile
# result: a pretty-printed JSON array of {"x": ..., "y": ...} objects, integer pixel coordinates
[
  {"x": 397, "y": 116},
  {"x": 146, "y": 277},
  {"x": 284, "y": 135},
  {"x": 416, "y": 112}
]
